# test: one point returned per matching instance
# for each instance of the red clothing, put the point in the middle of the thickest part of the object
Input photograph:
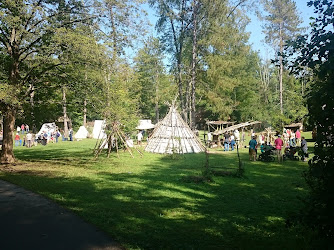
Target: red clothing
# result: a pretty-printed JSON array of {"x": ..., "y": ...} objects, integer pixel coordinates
[
  {"x": 17, "y": 137},
  {"x": 278, "y": 143},
  {"x": 297, "y": 134}
]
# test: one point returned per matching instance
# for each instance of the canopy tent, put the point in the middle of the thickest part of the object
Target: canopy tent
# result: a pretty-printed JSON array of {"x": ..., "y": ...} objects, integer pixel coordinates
[
  {"x": 48, "y": 127},
  {"x": 98, "y": 130},
  {"x": 234, "y": 127},
  {"x": 145, "y": 124},
  {"x": 173, "y": 135},
  {"x": 294, "y": 126},
  {"x": 82, "y": 133},
  {"x": 218, "y": 125}
]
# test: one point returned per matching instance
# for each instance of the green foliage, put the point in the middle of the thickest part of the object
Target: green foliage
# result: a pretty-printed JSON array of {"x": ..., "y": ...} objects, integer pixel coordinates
[
  {"x": 224, "y": 59},
  {"x": 317, "y": 53},
  {"x": 281, "y": 15},
  {"x": 155, "y": 88}
]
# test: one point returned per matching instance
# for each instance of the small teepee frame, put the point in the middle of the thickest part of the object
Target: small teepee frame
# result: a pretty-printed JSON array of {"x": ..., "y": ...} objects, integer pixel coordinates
[
  {"x": 114, "y": 133},
  {"x": 173, "y": 135}
]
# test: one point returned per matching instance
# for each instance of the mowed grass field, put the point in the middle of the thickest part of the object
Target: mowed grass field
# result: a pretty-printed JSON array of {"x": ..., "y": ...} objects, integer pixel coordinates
[{"x": 143, "y": 202}]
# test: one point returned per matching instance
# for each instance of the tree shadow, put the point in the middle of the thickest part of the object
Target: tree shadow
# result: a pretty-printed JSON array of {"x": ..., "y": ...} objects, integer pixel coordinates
[{"x": 153, "y": 208}]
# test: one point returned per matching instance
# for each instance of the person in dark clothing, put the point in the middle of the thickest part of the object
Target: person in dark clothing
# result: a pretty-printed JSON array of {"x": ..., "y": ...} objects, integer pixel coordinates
[
  {"x": 303, "y": 145},
  {"x": 252, "y": 149}
]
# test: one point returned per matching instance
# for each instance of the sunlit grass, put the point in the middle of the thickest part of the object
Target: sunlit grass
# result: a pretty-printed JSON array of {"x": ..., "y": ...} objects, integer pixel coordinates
[{"x": 143, "y": 203}]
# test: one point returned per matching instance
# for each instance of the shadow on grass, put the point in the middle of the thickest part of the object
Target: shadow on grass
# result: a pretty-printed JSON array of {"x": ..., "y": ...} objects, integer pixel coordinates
[{"x": 143, "y": 203}]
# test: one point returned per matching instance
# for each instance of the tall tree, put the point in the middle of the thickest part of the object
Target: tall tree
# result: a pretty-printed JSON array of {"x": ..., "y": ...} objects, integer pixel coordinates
[
  {"x": 281, "y": 24},
  {"x": 155, "y": 86},
  {"x": 183, "y": 25},
  {"x": 27, "y": 31},
  {"x": 173, "y": 22},
  {"x": 316, "y": 52},
  {"x": 224, "y": 58}
]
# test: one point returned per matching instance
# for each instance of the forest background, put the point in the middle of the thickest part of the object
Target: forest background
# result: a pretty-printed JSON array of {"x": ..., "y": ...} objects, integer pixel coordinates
[{"x": 71, "y": 59}]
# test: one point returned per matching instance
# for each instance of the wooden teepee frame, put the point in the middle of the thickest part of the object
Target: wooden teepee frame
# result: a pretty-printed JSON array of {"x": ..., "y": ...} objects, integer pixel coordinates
[{"x": 113, "y": 134}]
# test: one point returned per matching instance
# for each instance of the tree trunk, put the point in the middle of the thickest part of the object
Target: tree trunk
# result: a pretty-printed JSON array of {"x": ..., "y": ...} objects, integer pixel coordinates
[
  {"x": 65, "y": 114},
  {"x": 179, "y": 82},
  {"x": 85, "y": 113},
  {"x": 187, "y": 103},
  {"x": 32, "y": 104},
  {"x": 193, "y": 69},
  {"x": 281, "y": 68},
  {"x": 85, "y": 101},
  {"x": 7, "y": 153},
  {"x": 178, "y": 43},
  {"x": 157, "y": 98}
]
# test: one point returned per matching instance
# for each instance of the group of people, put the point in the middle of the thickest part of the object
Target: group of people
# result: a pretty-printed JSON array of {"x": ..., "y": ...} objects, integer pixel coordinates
[
  {"x": 44, "y": 137},
  {"x": 23, "y": 128},
  {"x": 230, "y": 140},
  {"x": 27, "y": 140},
  {"x": 290, "y": 140}
]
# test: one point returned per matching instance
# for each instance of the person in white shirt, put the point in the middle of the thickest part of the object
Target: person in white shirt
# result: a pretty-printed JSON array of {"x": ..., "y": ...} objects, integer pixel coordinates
[
  {"x": 232, "y": 142},
  {"x": 261, "y": 139},
  {"x": 237, "y": 136},
  {"x": 209, "y": 138},
  {"x": 139, "y": 137},
  {"x": 29, "y": 140},
  {"x": 292, "y": 139}
]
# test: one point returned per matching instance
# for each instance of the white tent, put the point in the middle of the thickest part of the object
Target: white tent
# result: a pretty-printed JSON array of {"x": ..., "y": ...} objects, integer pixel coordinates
[
  {"x": 145, "y": 124},
  {"x": 48, "y": 127},
  {"x": 173, "y": 135},
  {"x": 98, "y": 130},
  {"x": 82, "y": 133}
]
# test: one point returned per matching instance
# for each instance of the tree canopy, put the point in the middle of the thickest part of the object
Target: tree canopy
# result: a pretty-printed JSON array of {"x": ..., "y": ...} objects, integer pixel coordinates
[{"x": 83, "y": 60}]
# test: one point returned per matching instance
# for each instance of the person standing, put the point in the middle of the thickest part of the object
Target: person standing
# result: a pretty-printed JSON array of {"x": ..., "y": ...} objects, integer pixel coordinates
[
  {"x": 261, "y": 139},
  {"x": 209, "y": 139},
  {"x": 139, "y": 138},
  {"x": 57, "y": 135},
  {"x": 17, "y": 139},
  {"x": 242, "y": 138},
  {"x": 22, "y": 129},
  {"x": 226, "y": 142},
  {"x": 237, "y": 137},
  {"x": 232, "y": 142},
  {"x": 71, "y": 134},
  {"x": 303, "y": 145},
  {"x": 29, "y": 140},
  {"x": 252, "y": 149},
  {"x": 292, "y": 139},
  {"x": 278, "y": 146},
  {"x": 27, "y": 128},
  {"x": 298, "y": 136}
]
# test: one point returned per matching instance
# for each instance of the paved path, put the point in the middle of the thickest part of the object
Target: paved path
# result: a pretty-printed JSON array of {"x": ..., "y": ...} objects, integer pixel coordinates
[{"x": 30, "y": 221}]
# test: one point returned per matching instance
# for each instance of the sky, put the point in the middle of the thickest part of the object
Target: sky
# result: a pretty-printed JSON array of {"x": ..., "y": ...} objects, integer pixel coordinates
[{"x": 256, "y": 36}]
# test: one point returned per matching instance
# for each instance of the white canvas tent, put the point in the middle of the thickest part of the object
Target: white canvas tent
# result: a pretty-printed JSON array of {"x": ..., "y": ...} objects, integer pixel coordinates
[
  {"x": 48, "y": 127},
  {"x": 173, "y": 135},
  {"x": 145, "y": 124},
  {"x": 98, "y": 130},
  {"x": 82, "y": 133}
]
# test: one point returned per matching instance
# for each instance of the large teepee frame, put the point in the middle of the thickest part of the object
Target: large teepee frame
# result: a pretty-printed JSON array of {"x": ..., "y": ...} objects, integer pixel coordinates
[{"x": 173, "y": 135}]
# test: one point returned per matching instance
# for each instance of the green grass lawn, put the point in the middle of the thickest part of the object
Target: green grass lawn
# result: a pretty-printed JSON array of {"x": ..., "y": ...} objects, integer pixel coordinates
[{"x": 143, "y": 203}]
